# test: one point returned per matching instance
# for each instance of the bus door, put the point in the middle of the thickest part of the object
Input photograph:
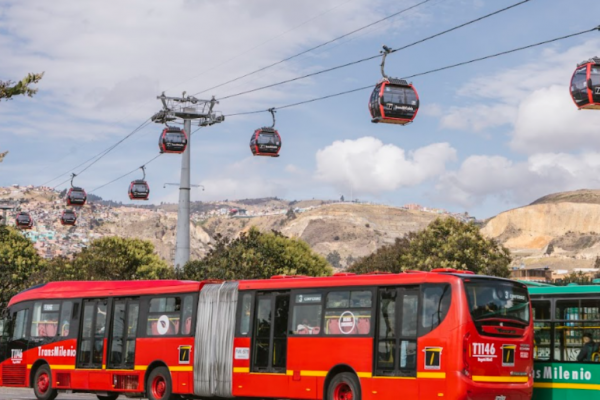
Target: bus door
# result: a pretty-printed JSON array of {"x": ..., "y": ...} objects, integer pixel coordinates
[
  {"x": 123, "y": 332},
  {"x": 14, "y": 344},
  {"x": 395, "y": 355},
  {"x": 91, "y": 343},
  {"x": 269, "y": 344}
]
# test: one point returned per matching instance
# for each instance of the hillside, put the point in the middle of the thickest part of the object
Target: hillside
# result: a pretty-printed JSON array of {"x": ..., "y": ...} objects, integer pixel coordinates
[
  {"x": 586, "y": 196},
  {"x": 561, "y": 231},
  {"x": 351, "y": 229}
]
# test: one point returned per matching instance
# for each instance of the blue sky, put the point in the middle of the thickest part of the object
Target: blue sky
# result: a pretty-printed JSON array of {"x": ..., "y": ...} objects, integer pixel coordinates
[{"x": 489, "y": 136}]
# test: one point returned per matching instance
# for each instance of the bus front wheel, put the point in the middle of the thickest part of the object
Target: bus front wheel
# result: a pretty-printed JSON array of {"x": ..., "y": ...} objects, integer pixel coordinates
[
  {"x": 158, "y": 386},
  {"x": 42, "y": 384},
  {"x": 344, "y": 386}
]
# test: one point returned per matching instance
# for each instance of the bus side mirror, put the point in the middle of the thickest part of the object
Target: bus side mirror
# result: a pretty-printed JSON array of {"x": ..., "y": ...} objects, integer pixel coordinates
[{"x": 589, "y": 84}]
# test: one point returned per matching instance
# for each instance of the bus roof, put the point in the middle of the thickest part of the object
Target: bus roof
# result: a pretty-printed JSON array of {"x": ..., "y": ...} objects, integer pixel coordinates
[
  {"x": 534, "y": 284},
  {"x": 75, "y": 289},
  {"x": 343, "y": 279},
  {"x": 96, "y": 289},
  {"x": 563, "y": 290}
]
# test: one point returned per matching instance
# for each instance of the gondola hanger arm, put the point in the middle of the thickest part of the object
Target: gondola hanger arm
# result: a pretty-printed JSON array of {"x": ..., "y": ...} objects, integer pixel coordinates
[
  {"x": 272, "y": 111},
  {"x": 386, "y": 50}
]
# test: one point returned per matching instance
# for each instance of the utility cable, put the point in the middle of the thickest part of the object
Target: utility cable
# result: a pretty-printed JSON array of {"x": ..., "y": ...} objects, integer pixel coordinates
[
  {"x": 98, "y": 156},
  {"x": 424, "y": 73},
  {"x": 261, "y": 44},
  {"x": 315, "y": 47},
  {"x": 134, "y": 170},
  {"x": 371, "y": 86},
  {"x": 375, "y": 56},
  {"x": 126, "y": 174}
]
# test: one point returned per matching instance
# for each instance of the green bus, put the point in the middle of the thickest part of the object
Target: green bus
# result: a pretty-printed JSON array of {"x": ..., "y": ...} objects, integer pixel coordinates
[{"x": 563, "y": 316}]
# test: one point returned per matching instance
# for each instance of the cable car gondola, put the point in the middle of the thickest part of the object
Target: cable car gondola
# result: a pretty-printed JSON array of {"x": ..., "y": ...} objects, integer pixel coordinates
[
  {"x": 139, "y": 189},
  {"x": 76, "y": 196},
  {"x": 393, "y": 101},
  {"x": 266, "y": 141},
  {"x": 585, "y": 85},
  {"x": 24, "y": 220},
  {"x": 172, "y": 140},
  {"x": 68, "y": 217}
]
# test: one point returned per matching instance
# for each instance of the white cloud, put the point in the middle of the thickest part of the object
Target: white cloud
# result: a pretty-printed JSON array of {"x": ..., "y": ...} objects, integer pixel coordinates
[
  {"x": 368, "y": 166},
  {"x": 547, "y": 120},
  {"x": 478, "y": 117},
  {"x": 534, "y": 99},
  {"x": 103, "y": 61},
  {"x": 519, "y": 182}
]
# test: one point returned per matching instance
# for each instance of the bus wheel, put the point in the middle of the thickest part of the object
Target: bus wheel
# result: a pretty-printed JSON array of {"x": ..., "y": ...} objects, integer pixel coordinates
[
  {"x": 158, "y": 386},
  {"x": 109, "y": 396},
  {"x": 42, "y": 384},
  {"x": 344, "y": 386}
]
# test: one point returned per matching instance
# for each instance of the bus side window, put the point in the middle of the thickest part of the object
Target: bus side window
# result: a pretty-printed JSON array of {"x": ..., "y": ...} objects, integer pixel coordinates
[
  {"x": 436, "y": 303},
  {"x": 20, "y": 327},
  {"x": 45, "y": 320},
  {"x": 243, "y": 322},
  {"x": 65, "y": 319},
  {"x": 164, "y": 316},
  {"x": 306, "y": 314},
  {"x": 348, "y": 312},
  {"x": 186, "y": 319}
]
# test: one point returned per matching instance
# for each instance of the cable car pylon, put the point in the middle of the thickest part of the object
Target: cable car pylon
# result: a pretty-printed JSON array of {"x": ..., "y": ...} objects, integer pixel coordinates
[{"x": 186, "y": 108}]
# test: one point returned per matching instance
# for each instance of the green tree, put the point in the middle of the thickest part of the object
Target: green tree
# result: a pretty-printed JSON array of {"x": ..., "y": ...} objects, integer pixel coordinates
[
  {"x": 8, "y": 89},
  {"x": 19, "y": 262},
  {"x": 450, "y": 243},
  {"x": 61, "y": 269},
  {"x": 385, "y": 259},
  {"x": 257, "y": 255},
  {"x": 445, "y": 243},
  {"x": 111, "y": 258}
]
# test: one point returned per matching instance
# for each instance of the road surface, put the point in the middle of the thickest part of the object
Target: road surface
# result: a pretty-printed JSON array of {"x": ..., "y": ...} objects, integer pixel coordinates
[{"x": 27, "y": 394}]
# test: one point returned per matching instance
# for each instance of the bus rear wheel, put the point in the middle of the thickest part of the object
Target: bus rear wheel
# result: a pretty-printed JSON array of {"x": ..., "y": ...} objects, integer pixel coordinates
[
  {"x": 42, "y": 384},
  {"x": 158, "y": 386},
  {"x": 344, "y": 386}
]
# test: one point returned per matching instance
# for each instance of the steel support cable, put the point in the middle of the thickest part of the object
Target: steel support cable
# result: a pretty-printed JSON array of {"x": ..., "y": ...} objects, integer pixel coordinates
[
  {"x": 315, "y": 47},
  {"x": 371, "y": 86},
  {"x": 375, "y": 56},
  {"x": 425, "y": 73},
  {"x": 99, "y": 155},
  {"x": 210, "y": 69},
  {"x": 259, "y": 45},
  {"x": 126, "y": 174},
  {"x": 132, "y": 171}
]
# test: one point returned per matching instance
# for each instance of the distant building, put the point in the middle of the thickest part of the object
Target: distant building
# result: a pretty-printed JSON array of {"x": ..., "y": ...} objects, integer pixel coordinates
[{"x": 543, "y": 275}]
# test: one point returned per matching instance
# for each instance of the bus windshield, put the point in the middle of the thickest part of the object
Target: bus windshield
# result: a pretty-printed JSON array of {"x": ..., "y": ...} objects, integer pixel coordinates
[{"x": 497, "y": 299}]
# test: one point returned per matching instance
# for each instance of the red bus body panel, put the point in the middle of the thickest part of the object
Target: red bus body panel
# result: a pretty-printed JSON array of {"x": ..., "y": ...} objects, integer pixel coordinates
[{"x": 310, "y": 359}]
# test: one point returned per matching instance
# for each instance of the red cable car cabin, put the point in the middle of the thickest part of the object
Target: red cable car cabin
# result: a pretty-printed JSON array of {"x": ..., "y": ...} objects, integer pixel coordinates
[
  {"x": 139, "y": 190},
  {"x": 265, "y": 142},
  {"x": 68, "y": 217},
  {"x": 172, "y": 140},
  {"x": 423, "y": 335},
  {"x": 394, "y": 101},
  {"x": 24, "y": 220},
  {"x": 76, "y": 196},
  {"x": 585, "y": 85}
]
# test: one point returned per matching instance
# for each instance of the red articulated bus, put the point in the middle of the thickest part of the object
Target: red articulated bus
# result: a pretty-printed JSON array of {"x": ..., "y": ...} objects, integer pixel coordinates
[{"x": 443, "y": 334}]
